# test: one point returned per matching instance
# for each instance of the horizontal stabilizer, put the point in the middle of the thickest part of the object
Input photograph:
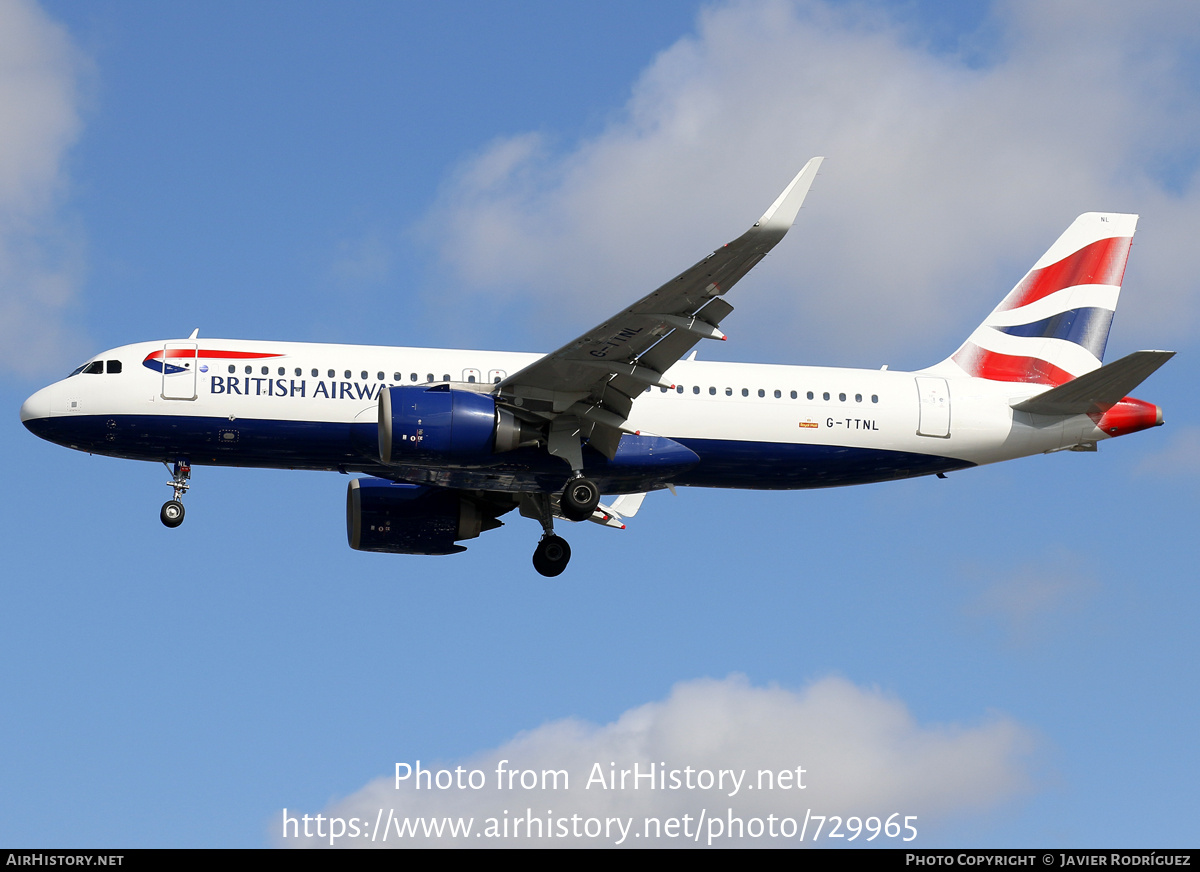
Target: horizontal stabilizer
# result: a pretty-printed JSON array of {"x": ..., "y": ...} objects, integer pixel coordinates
[
  {"x": 627, "y": 505},
  {"x": 1098, "y": 390},
  {"x": 624, "y": 506}
]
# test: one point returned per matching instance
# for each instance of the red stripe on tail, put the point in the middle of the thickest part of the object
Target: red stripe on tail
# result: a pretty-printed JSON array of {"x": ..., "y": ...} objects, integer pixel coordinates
[
  {"x": 982, "y": 363},
  {"x": 1100, "y": 263}
]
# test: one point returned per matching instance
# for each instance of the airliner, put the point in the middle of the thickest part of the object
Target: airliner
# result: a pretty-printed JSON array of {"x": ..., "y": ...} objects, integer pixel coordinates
[{"x": 448, "y": 441}]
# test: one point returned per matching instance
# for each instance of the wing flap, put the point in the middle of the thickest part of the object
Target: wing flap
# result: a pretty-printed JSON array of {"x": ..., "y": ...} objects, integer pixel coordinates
[{"x": 678, "y": 342}]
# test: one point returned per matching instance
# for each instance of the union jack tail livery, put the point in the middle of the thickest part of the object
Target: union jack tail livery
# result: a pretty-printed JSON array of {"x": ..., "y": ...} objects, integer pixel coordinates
[{"x": 1053, "y": 326}]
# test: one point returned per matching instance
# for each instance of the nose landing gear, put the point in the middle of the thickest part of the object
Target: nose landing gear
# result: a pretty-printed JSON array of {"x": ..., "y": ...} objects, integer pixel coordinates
[{"x": 172, "y": 511}]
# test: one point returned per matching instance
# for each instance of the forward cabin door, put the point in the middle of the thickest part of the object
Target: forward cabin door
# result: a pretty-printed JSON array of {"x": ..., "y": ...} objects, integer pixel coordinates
[
  {"x": 935, "y": 407},
  {"x": 179, "y": 370}
]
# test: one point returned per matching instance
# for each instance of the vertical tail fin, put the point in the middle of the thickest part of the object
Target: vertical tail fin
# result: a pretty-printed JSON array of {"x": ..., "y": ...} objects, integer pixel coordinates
[{"x": 1053, "y": 326}]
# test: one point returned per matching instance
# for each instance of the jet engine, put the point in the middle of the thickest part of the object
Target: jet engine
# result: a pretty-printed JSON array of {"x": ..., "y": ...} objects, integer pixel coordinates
[
  {"x": 397, "y": 518},
  {"x": 435, "y": 423}
]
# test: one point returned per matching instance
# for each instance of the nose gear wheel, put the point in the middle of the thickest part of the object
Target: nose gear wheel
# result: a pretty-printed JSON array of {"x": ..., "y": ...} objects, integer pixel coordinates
[{"x": 171, "y": 513}]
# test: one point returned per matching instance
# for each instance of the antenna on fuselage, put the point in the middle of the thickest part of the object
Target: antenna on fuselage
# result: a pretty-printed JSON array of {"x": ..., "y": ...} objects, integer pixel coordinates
[{"x": 195, "y": 333}]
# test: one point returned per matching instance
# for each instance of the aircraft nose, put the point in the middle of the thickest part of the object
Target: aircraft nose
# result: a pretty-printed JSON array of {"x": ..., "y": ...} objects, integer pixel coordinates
[{"x": 35, "y": 408}]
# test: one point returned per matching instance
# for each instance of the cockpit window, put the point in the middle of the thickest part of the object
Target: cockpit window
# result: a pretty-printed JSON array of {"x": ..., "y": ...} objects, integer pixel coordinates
[
  {"x": 112, "y": 366},
  {"x": 96, "y": 367}
]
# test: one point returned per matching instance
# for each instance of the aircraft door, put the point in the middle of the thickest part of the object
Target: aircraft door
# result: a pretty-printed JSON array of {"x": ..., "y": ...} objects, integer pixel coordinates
[
  {"x": 470, "y": 375},
  {"x": 934, "y": 395},
  {"x": 179, "y": 370}
]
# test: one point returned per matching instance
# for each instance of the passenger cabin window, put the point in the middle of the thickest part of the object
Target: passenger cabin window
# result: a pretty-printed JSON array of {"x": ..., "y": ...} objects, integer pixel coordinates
[
  {"x": 412, "y": 377},
  {"x": 232, "y": 368},
  {"x": 332, "y": 374},
  {"x": 315, "y": 372},
  {"x": 348, "y": 373}
]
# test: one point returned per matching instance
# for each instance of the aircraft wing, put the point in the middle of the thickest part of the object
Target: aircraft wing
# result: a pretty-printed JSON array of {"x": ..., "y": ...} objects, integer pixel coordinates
[{"x": 590, "y": 383}]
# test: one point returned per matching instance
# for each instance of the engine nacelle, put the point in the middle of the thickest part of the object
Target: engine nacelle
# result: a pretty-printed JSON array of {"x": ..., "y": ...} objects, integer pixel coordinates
[
  {"x": 418, "y": 423},
  {"x": 398, "y": 518}
]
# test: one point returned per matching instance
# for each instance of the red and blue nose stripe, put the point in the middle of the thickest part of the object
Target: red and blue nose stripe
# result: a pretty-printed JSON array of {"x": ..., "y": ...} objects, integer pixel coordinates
[{"x": 155, "y": 359}]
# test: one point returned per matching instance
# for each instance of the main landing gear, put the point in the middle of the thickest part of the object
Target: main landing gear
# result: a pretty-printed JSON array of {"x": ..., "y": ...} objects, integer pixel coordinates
[
  {"x": 578, "y": 500},
  {"x": 551, "y": 556},
  {"x": 172, "y": 511}
]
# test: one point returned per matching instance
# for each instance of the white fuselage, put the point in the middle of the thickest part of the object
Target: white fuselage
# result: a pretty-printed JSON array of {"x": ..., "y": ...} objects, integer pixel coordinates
[{"x": 740, "y": 411}]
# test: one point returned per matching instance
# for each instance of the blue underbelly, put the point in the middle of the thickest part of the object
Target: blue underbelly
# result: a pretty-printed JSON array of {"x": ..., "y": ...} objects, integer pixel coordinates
[{"x": 643, "y": 463}]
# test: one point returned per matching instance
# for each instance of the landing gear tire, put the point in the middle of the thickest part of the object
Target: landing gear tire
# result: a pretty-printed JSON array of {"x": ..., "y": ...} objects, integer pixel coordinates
[
  {"x": 579, "y": 499},
  {"x": 171, "y": 514},
  {"x": 551, "y": 556}
]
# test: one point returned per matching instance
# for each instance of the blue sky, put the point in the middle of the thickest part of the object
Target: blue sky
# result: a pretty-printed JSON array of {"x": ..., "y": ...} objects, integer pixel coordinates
[{"x": 1009, "y": 653}]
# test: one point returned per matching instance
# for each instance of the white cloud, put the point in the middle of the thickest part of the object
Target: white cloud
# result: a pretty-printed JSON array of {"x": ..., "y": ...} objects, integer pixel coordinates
[
  {"x": 40, "y": 252},
  {"x": 1026, "y": 599},
  {"x": 946, "y": 177},
  {"x": 862, "y": 752}
]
